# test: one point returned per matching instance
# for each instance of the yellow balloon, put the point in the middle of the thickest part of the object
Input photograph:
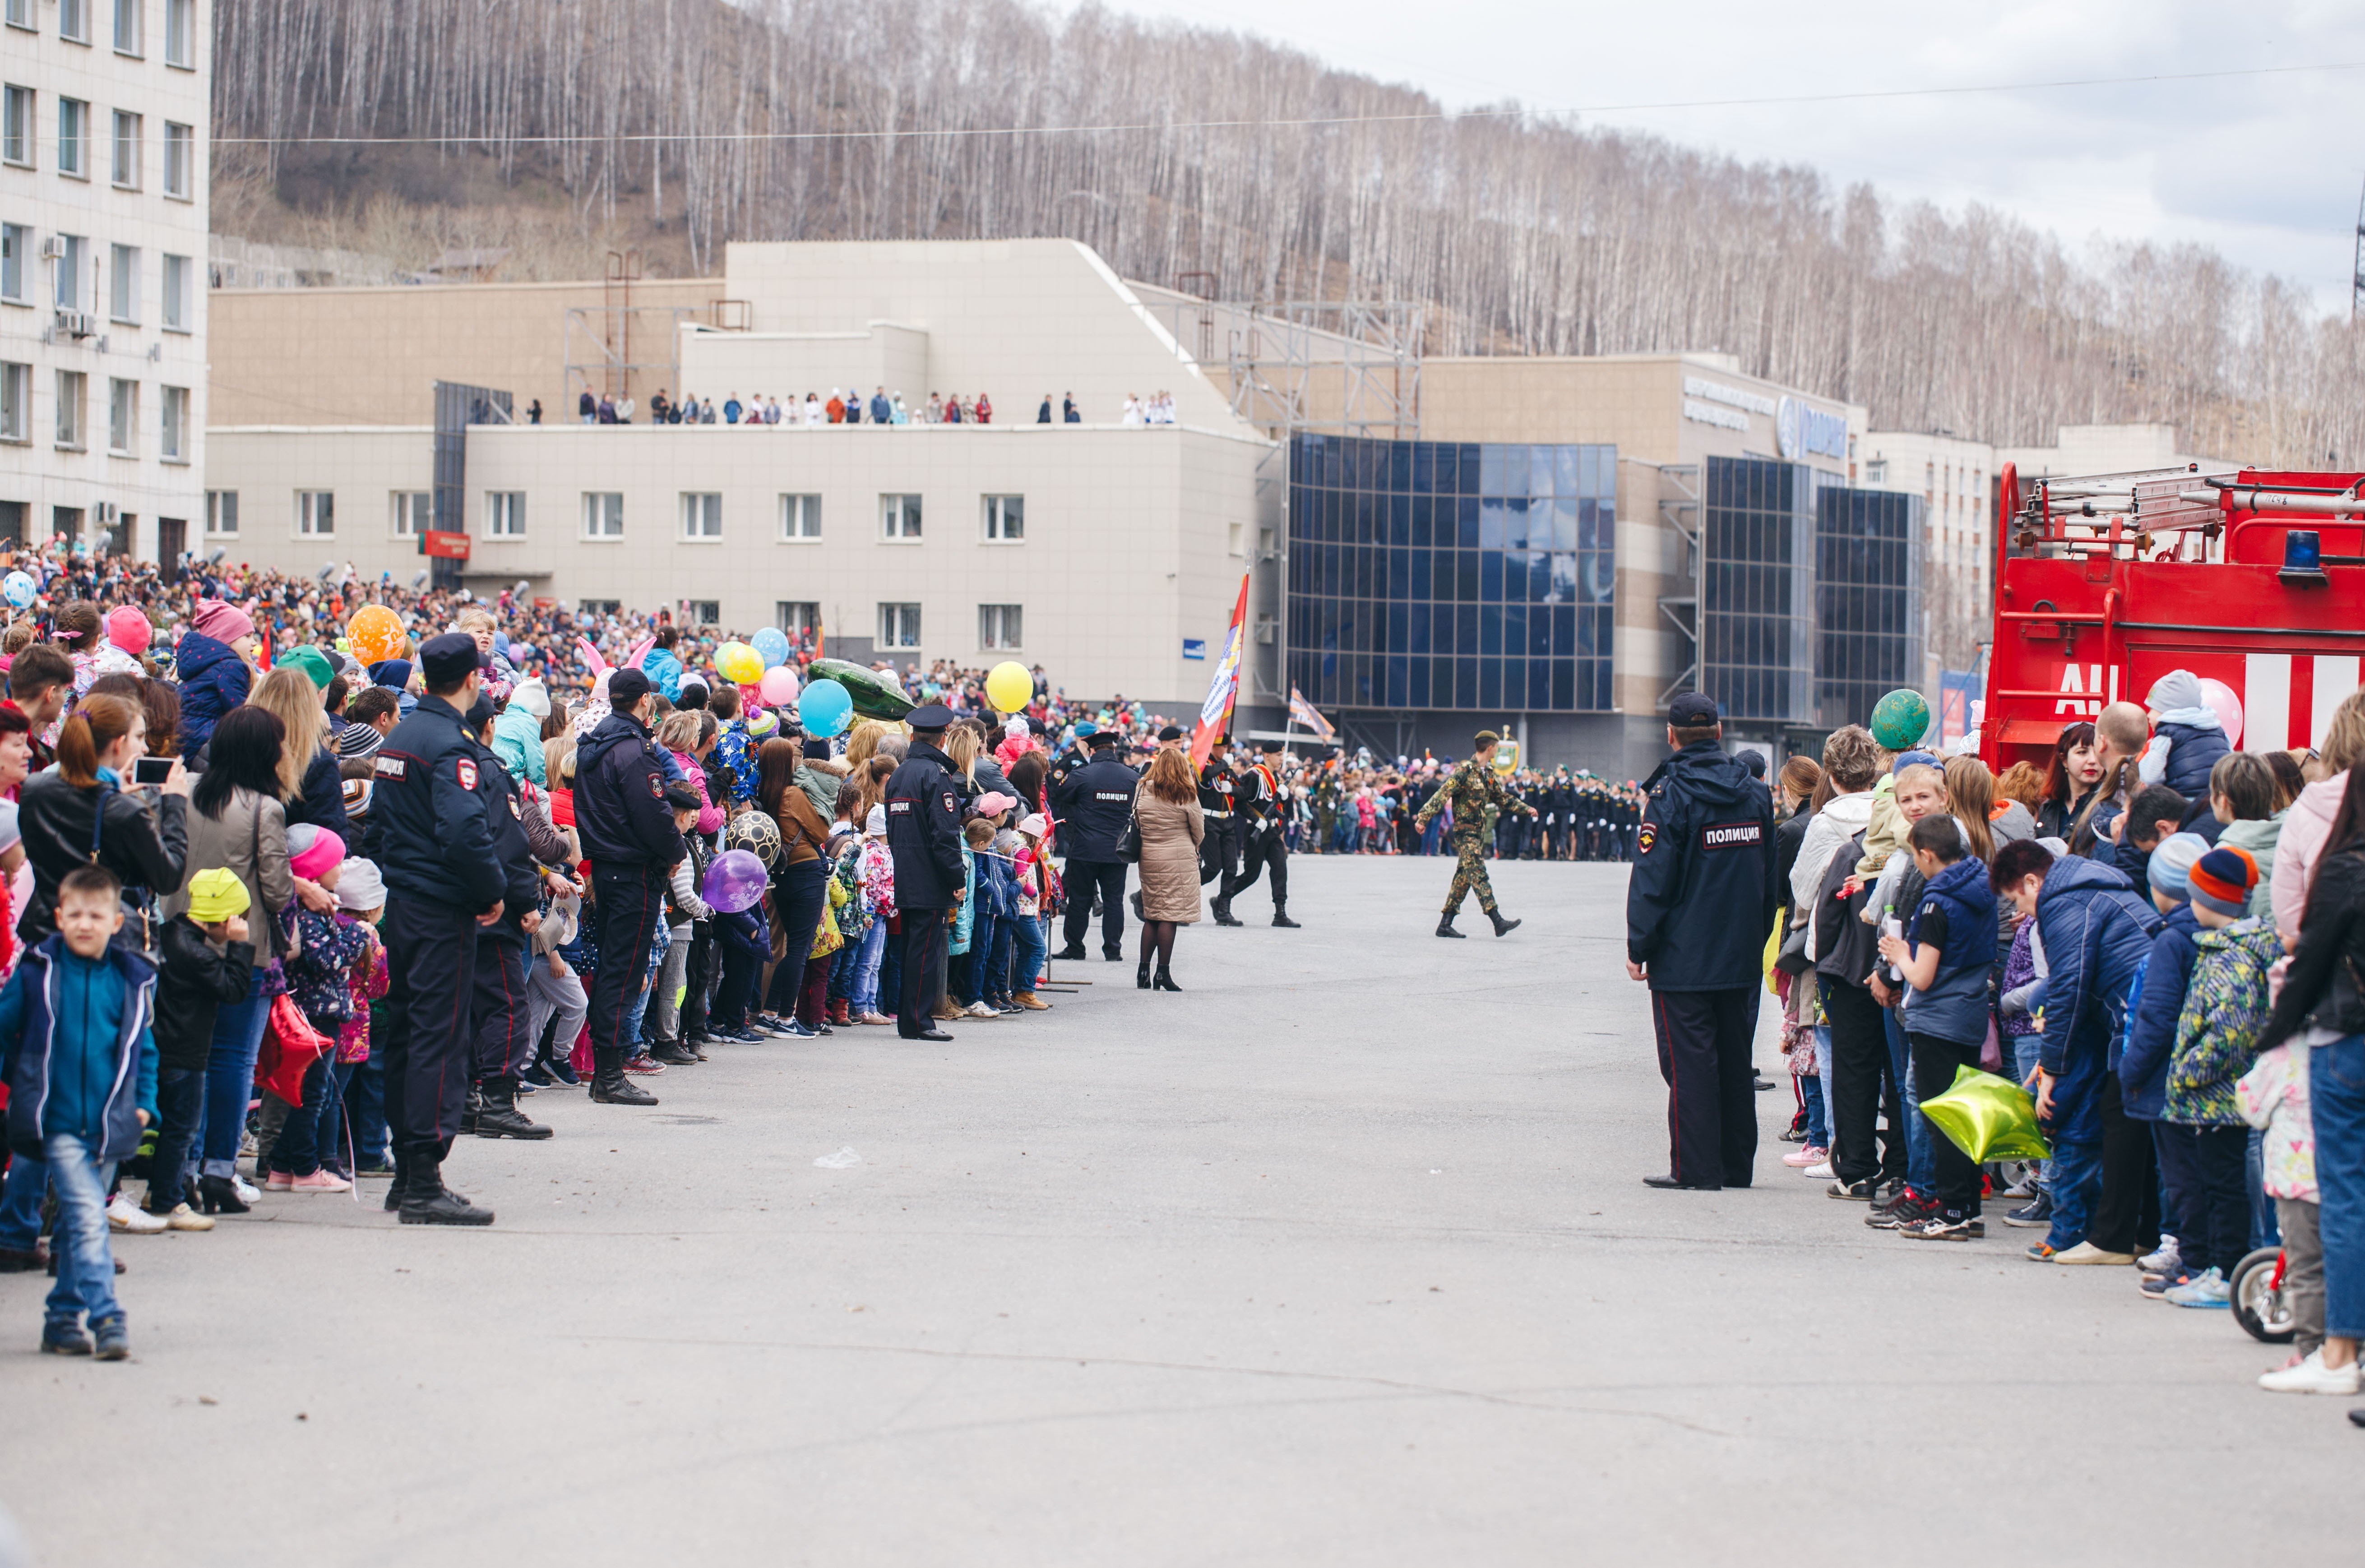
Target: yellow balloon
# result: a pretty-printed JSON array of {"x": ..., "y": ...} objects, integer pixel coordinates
[
  {"x": 739, "y": 663},
  {"x": 1009, "y": 686}
]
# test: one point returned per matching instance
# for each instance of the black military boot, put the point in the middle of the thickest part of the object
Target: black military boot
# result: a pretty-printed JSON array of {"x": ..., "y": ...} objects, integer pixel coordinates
[
  {"x": 401, "y": 1182},
  {"x": 1281, "y": 917},
  {"x": 610, "y": 1086},
  {"x": 429, "y": 1201},
  {"x": 674, "y": 1053},
  {"x": 475, "y": 1104},
  {"x": 1502, "y": 927},
  {"x": 500, "y": 1117},
  {"x": 1445, "y": 926},
  {"x": 1223, "y": 915}
]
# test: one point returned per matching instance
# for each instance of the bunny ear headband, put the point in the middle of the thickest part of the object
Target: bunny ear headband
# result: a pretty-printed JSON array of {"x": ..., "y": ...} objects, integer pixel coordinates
[{"x": 599, "y": 666}]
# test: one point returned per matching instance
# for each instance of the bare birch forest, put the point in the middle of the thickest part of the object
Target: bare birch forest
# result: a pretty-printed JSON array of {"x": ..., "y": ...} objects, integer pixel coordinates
[{"x": 792, "y": 119}]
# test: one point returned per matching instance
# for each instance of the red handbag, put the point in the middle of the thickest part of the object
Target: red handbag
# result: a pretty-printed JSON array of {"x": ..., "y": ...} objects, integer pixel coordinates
[{"x": 290, "y": 1046}]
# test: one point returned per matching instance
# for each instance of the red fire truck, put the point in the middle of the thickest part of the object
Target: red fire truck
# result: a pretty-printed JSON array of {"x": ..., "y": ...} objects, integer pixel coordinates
[{"x": 2254, "y": 580}]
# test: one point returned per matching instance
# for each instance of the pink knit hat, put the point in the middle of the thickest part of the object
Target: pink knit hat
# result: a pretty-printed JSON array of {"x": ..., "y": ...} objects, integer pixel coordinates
[
  {"x": 221, "y": 621},
  {"x": 312, "y": 850}
]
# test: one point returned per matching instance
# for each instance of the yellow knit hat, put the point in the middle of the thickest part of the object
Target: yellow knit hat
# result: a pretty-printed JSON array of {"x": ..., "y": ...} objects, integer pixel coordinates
[{"x": 216, "y": 895}]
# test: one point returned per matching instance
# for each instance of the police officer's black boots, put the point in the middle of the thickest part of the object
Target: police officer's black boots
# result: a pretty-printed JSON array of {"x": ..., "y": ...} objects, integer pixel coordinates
[
  {"x": 1502, "y": 927},
  {"x": 610, "y": 1086},
  {"x": 429, "y": 1201},
  {"x": 1445, "y": 926},
  {"x": 401, "y": 1182},
  {"x": 1223, "y": 915},
  {"x": 475, "y": 1107},
  {"x": 1281, "y": 917},
  {"x": 499, "y": 1116}
]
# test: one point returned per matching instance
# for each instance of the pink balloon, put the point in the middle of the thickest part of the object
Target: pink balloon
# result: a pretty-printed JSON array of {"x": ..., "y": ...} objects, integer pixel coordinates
[
  {"x": 127, "y": 628},
  {"x": 778, "y": 686},
  {"x": 2227, "y": 706}
]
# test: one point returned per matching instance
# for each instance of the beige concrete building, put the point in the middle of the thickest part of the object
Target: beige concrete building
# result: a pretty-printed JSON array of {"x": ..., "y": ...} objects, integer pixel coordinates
[{"x": 103, "y": 210}]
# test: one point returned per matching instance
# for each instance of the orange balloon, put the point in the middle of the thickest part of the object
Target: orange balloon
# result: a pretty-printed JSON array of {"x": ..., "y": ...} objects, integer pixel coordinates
[{"x": 375, "y": 633}]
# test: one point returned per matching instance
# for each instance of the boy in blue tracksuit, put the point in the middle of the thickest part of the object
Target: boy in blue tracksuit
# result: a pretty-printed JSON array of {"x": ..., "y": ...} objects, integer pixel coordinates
[
  {"x": 1946, "y": 956},
  {"x": 80, "y": 1058}
]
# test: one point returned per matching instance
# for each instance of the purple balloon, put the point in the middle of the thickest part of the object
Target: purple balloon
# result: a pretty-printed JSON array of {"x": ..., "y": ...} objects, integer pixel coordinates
[{"x": 735, "y": 881}]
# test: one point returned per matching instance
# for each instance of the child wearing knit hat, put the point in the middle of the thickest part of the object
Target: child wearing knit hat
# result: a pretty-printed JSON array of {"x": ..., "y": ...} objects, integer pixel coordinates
[{"x": 2216, "y": 1037}]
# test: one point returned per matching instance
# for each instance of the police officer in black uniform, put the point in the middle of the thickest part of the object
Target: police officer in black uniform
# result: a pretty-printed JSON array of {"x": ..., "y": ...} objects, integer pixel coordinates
[
  {"x": 1698, "y": 904},
  {"x": 628, "y": 835},
  {"x": 504, "y": 953},
  {"x": 428, "y": 833},
  {"x": 1093, "y": 805},
  {"x": 1219, "y": 852},
  {"x": 1262, "y": 844},
  {"x": 924, "y": 834}
]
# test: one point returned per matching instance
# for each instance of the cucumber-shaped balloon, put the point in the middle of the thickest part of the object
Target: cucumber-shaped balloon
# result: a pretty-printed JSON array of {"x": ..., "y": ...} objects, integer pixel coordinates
[{"x": 873, "y": 698}]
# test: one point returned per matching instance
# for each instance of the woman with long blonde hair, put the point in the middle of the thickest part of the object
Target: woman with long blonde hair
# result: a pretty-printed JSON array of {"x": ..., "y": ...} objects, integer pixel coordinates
[{"x": 308, "y": 782}]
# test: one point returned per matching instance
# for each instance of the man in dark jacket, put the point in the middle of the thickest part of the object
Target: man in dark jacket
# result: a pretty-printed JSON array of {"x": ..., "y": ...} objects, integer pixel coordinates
[
  {"x": 924, "y": 834},
  {"x": 1092, "y": 805},
  {"x": 628, "y": 835},
  {"x": 1698, "y": 907},
  {"x": 427, "y": 834}
]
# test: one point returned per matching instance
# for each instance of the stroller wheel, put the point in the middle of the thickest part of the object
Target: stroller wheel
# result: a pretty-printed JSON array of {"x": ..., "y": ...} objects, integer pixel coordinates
[{"x": 2259, "y": 1303}]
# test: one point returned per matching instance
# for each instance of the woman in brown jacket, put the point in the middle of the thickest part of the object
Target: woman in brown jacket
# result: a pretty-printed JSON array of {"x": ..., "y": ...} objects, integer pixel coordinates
[{"x": 1167, "y": 810}]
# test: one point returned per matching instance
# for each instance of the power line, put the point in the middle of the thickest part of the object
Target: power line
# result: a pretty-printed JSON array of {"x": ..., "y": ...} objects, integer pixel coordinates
[{"x": 1312, "y": 122}]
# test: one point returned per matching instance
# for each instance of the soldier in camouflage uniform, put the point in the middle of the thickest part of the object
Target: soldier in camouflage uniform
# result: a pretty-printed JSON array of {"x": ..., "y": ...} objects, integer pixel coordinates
[{"x": 1476, "y": 793}]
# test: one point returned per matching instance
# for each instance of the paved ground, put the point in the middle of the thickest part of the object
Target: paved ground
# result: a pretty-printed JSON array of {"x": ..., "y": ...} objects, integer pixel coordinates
[{"x": 1339, "y": 1256}]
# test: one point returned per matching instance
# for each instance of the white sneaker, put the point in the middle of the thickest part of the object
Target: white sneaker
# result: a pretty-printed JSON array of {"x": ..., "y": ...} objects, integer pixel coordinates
[
  {"x": 979, "y": 1010},
  {"x": 2163, "y": 1261},
  {"x": 247, "y": 1193},
  {"x": 2310, "y": 1376},
  {"x": 183, "y": 1217},
  {"x": 1822, "y": 1172},
  {"x": 123, "y": 1215}
]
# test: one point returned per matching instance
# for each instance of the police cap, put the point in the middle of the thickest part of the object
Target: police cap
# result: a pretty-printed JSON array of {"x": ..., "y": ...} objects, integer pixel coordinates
[
  {"x": 446, "y": 660},
  {"x": 1100, "y": 739},
  {"x": 1693, "y": 710},
  {"x": 930, "y": 716},
  {"x": 626, "y": 687}
]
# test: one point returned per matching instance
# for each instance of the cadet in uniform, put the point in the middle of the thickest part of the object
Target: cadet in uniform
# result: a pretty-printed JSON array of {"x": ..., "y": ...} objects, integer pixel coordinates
[
  {"x": 923, "y": 835},
  {"x": 1092, "y": 805},
  {"x": 1262, "y": 845},
  {"x": 1219, "y": 852},
  {"x": 1702, "y": 899},
  {"x": 1471, "y": 789},
  {"x": 628, "y": 835},
  {"x": 428, "y": 833}
]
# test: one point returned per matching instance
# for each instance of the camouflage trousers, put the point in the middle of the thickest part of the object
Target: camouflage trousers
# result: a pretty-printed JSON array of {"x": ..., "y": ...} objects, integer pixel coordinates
[{"x": 1469, "y": 874}]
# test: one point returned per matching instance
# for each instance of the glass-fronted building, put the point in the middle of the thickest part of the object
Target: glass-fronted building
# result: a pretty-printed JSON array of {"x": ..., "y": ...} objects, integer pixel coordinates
[
  {"x": 1444, "y": 576},
  {"x": 1868, "y": 627}
]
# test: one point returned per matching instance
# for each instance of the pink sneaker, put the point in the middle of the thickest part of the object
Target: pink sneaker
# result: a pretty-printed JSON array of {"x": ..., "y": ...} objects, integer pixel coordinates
[
  {"x": 277, "y": 1182},
  {"x": 319, "y": 1181},
  {"x": 1813, "y": 1154}
]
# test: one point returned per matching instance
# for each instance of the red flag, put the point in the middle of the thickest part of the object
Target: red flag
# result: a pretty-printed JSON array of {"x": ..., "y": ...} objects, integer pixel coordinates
[{"x": 1215, "y": 713}]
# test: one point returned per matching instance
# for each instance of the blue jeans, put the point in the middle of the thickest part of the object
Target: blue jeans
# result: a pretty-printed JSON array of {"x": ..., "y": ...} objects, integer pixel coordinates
[
  {"x": 85, "y": 1267},
  {"x": 1028, "y": 946},
  {"x": 2335, "y": 1088},
  {"x": 2076, "y": 1172},
  {"x": 867, "y": 953},
  {"x": 2026, "y": 1049},
  {"x": 976, "y": 976},
  {"x": 1921, "y": 1170},
  {"x": 229, "y": 1078},
  {"x": 20, "y": 1205},
  {"x": 1819, "y": 1109}
]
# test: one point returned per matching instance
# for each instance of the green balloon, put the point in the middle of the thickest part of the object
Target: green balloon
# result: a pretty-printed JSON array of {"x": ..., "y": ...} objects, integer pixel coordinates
[
  {"x": 1901, "y": 719},
  {"x": 1988, "y": 1117}
]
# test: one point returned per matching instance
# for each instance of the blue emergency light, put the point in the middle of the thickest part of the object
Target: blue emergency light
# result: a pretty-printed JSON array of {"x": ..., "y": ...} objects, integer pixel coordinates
[{"x": 2302, "y": 559}]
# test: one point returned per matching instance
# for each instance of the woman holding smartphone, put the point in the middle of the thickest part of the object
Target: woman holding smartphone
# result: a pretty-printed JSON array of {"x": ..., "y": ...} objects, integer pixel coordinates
[{"x": 89, "y": 810}]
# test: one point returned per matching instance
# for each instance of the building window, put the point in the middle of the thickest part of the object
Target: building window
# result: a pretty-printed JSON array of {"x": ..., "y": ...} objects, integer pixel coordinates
[
  {"x": 181, "y": 34},
  {"x": 1237, "y": 536},
  {"x": 122, "y": 415},
  {"x": 176, "y": 294},
  {"x": 414, "y": 513},
  {"x": 125, "y": 169},
  {"x": 600, "y": 605},
  {"x": 74, "y": 20},
  {"x": 222, "y": 513},
  {"x": 74, "y": 388},
  {"x": 17, "y": 125},
  {"x": 316, "y": 512},
  {"x": 1005, "y": 522},
  {"x": 505, "y": 514},
  {"x": 178, "y": 142},
  {"x": 74, "y": 131},
  {"x": 899, "y": 518},
  {"x": 176, "y": 424},
  {"x": 20, "y": 15},
  {"x": 603, "y": 514},
  {"x": 123, "y": 284},
  {"x": 129, "y": 14},
  {"x": 705, "y": 611},
  {"x": 800, "y": 518},
  {"x": 69, "y": 290},
  {"x": 1876, "y": 471},
  {"x": 899, "y": 625},
  {"x": 798, "y": 618},
  {"x": 1001, "y": 626},
  {"x": 13, "y": 238},
  {"x": 15, "y": 401},
  {"x": 702, "y": 514}
]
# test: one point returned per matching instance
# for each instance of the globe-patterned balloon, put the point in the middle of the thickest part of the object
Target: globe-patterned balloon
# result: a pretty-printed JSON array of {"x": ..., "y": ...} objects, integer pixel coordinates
[{"x": 1901, "y": 719}]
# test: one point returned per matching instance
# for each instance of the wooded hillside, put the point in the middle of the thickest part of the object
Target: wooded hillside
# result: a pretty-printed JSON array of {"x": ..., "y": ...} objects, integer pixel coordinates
[{"x": 792, "y": 119}]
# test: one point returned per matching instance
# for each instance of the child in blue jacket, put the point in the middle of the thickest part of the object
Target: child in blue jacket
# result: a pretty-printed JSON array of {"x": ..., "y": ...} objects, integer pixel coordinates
[{"x": 80, "y": 1058}]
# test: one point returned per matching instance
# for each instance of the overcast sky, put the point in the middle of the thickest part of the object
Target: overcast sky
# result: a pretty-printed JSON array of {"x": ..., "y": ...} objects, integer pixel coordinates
[{"x": 2264, "y": 168}]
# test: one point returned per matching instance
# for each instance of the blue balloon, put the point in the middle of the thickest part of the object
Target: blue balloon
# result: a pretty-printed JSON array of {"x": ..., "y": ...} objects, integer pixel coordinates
[
  {"x": 771, "y": 644},
  {"x": 824, "y": 706},
  {"x": 20, "y": 588}
]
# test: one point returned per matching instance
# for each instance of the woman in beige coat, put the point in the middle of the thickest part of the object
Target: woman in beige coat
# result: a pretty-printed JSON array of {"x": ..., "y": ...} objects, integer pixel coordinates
[{"x": 1167, "y": 810}]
